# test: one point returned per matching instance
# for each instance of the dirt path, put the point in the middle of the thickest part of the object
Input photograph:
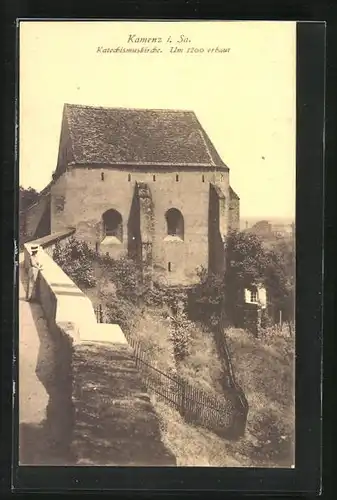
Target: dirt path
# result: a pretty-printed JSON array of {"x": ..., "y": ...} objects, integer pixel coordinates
[{"x": 36, "y": 363}]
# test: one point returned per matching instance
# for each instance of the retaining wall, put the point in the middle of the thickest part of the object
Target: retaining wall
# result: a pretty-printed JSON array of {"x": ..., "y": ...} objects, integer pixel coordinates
[{"x": 99, "y": 412}]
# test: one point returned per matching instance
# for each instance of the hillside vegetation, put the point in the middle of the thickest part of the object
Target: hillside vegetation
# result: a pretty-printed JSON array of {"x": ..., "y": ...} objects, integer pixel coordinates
[
  {"x": 264, "y": 370},
  {"x": 263, "y": 366}
]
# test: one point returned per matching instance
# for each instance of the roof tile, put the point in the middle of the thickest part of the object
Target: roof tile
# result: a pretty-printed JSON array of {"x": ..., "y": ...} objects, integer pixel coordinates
[{"x": 139, "y": 137}]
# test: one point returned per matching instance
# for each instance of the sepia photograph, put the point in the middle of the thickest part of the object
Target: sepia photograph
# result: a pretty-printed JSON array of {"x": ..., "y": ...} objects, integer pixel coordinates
[{"x": 157, "y": 184}]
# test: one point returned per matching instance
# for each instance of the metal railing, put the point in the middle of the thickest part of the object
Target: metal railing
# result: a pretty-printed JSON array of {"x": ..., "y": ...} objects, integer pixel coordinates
[{"x": 224, "y": 415}]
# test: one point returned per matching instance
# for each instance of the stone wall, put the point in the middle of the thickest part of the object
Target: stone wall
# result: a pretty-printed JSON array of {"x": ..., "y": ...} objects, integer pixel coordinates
[
  {"x": 48, "y": 242},
  {"x": 98, "y": 411},
  {"x": 80, "y": 197},
  {"x": 64, "y": 305}
]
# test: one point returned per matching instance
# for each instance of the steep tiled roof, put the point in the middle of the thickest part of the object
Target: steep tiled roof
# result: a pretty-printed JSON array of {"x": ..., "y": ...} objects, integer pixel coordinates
[{"x": 138, "y": 137}]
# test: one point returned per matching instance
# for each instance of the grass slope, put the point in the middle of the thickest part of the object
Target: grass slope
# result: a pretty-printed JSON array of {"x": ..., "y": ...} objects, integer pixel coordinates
[
  {"x": 201, "y": 367},
  {"x": 265, "y": 370}
]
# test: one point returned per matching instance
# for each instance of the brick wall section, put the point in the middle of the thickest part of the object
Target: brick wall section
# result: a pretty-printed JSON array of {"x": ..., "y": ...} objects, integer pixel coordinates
[
  {"x": 86, "y": 197},
  {"x": 115, "y": 423}
]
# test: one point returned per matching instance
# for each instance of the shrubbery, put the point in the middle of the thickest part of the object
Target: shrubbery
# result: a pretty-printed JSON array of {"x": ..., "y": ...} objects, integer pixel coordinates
[
  {"x": 86, "y": 268},
  {"x": 27, "y": 198},
  {"x": 207, "y": 298},
  {"x": 75, "y": 258},
  {"x": 248, "y": 263},
  {"x": 125, "y": 275},
  {"x": 120, "y": 311},
  {"x": 174, "y": 342},
  {"x": 180, "y": 335},
  {"x": 159, "y": 296},
  {"x": 122, "y": 305}
]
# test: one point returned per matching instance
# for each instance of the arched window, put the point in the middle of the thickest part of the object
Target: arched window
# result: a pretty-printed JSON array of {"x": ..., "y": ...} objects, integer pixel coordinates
[
  {"x": 113, "y": 224},
  {"x": 175, "y": 223}
]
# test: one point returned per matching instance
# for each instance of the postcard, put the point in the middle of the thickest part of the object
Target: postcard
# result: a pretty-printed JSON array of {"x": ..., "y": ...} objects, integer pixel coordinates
[{"x": 157, "y": 166}]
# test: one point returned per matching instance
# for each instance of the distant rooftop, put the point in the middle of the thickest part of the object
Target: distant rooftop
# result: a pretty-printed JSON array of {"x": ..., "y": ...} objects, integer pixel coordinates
[{"x": 162, "y": 137}]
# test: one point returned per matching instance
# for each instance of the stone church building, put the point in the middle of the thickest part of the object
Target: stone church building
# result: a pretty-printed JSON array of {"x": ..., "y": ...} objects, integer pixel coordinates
[{"x": 143, "y": 183}]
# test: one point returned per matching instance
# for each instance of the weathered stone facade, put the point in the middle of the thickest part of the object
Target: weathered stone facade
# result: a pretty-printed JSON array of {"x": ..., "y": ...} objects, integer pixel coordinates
[{"x": 142, "y": 189}]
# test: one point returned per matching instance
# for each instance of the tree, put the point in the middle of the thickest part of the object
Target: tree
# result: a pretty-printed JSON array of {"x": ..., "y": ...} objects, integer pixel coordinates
[
  {"x": 27, "y": 198},
  {"x": 248, "y": 263},
  {"x": 207, "y": 297},
  {"x": 280, "y": 277},
  {"x": 285, "y": 249},
  {"x": 246, "y": 260}
]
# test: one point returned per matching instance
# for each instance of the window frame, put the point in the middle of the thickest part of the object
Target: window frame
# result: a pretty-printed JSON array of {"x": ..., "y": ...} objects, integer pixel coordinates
[
  {"x": 254, "y": 294},
  {"x": 175, "y": 223},
  {"x": 112, "y": 230}
]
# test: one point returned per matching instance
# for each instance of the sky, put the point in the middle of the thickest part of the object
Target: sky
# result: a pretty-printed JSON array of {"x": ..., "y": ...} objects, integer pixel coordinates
[{"x": 245, "y": 97}]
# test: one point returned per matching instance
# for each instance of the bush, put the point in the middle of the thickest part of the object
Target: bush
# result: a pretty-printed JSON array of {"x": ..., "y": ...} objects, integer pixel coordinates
[
  {"x": 75, "y": 258},
  {"x": 180, "y": 335},
  {"x": 207, "y": 298},
  {"x": 126, "y": 276},
  {"x": 79, "y": 261},
  {"x": 248, "y": 263},
  {"x": 161, "y": 296},
  {"x": 120, "y": 281},
  {"x": 120, "y": 311}
]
